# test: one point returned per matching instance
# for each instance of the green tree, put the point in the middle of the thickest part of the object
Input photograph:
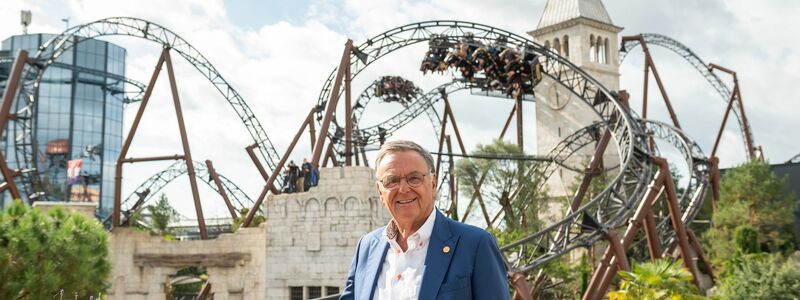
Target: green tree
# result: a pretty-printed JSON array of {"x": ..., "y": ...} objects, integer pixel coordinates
[
  {"x": 661, "y": 279},
  {"x": 161, "y": 214},
  {"x": 752, "y": 195},
  {"x": 519, "y": 197},
  {"x": 257, "y": 219},
  {"x": 44, "y": 253},
  {"x": 760, "y": 276}
]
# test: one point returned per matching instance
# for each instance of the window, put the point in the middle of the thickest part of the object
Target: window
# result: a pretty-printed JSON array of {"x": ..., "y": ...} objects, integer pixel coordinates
[
  {"x": 565, "y": 46},
  {"x": 592, "y": 49},
  {"x": 331, "y": 290},
  {"x": 606, "y": 53},
  {"x": 557, "y": 46},
  {"x": 314, "y": 292},
  {"x": 296, "y": 293}
]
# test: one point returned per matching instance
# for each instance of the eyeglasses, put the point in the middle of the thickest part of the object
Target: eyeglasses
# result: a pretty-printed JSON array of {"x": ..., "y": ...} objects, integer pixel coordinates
[{"x": 392, "y": 182}]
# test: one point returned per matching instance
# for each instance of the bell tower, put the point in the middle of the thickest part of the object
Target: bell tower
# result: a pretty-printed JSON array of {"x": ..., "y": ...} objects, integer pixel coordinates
[{"x": 582, "y": 32}]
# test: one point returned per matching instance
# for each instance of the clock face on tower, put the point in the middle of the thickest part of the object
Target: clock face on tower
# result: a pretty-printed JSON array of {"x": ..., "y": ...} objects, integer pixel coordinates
[{"x": 557, "y": 96}]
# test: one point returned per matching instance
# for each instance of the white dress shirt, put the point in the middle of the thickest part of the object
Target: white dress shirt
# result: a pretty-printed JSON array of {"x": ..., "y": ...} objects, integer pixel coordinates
[{"x": 401, "y": 274}]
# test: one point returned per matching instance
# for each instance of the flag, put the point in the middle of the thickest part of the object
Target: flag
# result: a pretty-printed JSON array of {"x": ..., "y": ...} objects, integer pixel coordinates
[{"x": 74, "y": 171}]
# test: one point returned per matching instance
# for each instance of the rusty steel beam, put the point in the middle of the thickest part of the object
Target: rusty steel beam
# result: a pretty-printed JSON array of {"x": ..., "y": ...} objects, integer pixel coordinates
[
  {"x": 10, "y": 92},
  {"x": 330, "y": 154},
  {"x": 662, "y": 181},
  {"x": 270, "y": 181},
  {"x": 606, "y": 265},
  {"x": 254, "y": 158},
  {"x": 722, "y": 126},
  {"x": 152, "y": 158},
  {"x": 714, "y": 179},
  {"x": 653, "y": 242},
  {"x": 214, "y": 176},
  {"x": 735, "y": 96},
  {"x": 449, "y": 111},
  {"x": 522, "y": 289},
  {"x": 451, "y": 187},
  {"x": 649, "y": 64},
  {"x": 332, "y": 101},
  {"x": 186, "y": 151},
  {"x": 205, "y": 291},
  {"x": 127, "y": 144},
  {"x": 476, "y": 194},
  {"x": 441, "y": 140},
  {"x": 591, "y": 171},
  {"x": 364, "y": 156},
  {"x": 508, "y": 121},
  {"x": 355, "y": 155},
  {"x": 698, "y": 249},
  {"x": 675, "y": 216},
  {"x": 348, "y": 117},
  {"x": 619, "y": 251},
  {"x": 518, "y": 106}
]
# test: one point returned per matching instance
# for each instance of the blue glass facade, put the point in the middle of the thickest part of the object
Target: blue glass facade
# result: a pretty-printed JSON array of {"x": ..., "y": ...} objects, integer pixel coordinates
[{"x": 78, "y": 116}]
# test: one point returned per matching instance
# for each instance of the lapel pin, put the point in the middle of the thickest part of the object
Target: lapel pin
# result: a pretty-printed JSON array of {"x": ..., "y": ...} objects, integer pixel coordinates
[{"x": 446, "y": 249}]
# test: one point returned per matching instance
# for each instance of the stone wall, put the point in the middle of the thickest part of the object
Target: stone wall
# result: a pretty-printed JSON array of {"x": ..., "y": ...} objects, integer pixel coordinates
[
  {"x": 142, "y": 265},
  {"x": 311, "y": 236},
  {"x": 308, "y": 240}
]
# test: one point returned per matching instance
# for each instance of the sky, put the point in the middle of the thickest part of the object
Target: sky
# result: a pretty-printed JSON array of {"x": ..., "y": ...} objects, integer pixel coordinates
[{"x": 277, "y": 55}]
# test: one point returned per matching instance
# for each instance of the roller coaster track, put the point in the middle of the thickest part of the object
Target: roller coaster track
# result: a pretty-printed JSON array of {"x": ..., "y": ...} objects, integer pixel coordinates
[
  {"x": 150, "y": 187},
  {"x": 612, "y": 206},
  {"x": 120, "y": 26},
  {"x": 693, "y": 59},
  {"x": 692, "y": 193}
]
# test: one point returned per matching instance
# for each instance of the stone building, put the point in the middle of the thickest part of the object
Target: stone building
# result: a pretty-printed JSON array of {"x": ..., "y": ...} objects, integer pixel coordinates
[
  {"x": 311, "y": 236},
  {"x": 302, "y": 251}
]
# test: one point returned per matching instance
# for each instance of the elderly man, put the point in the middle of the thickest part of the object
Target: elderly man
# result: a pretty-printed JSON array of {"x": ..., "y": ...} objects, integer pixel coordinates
[{"x": 421, "y": 254}]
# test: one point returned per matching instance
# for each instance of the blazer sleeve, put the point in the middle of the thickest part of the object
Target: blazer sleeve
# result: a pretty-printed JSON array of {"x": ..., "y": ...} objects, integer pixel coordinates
[
  {"x": 490, "y": 280},
  {"x": 349, "y": 286}
]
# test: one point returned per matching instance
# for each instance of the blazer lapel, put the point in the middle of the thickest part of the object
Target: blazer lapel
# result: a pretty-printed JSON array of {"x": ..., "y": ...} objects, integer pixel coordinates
[
  {"x": 378, "y": 250},
  {"x": 441, "y": 249}
]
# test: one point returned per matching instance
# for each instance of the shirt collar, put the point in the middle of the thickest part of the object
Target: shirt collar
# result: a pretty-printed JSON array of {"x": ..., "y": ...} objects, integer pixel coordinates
[{"x": 391, "y": 231}]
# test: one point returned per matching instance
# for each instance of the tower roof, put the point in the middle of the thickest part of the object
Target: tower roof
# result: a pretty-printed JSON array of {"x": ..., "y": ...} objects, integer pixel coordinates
[{"x": 558, "y": 11}]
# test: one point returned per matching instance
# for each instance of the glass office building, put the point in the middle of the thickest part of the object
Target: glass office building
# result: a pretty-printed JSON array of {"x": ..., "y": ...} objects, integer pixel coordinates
[{"x": 78, "y": 116}]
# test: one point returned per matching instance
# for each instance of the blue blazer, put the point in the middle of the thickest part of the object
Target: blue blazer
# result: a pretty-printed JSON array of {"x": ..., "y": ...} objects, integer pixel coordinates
[{"x": 472, "y": 269}]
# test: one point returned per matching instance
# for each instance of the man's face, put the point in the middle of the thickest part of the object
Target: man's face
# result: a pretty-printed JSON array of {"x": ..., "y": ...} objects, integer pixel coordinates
[{"x": 408, "y": 205}]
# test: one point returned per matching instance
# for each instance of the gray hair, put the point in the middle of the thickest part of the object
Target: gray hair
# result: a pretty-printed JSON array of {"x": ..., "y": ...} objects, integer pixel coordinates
[{"x": 400, "y": 146}]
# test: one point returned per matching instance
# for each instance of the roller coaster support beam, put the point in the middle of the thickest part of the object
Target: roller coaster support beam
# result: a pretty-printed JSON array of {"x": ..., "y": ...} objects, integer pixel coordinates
[
  {"x": 364, "y": 156},
  {"x": 653, "y": 242},
  {"x": 342, "y": 71},
  {"x": 714, "y": 179},
  {"x": 448, "y": 114},
  {"x": 270, "y": 181},
  {"x": 330, "y": 155},
  {"x": 518, "y": 107},
  {"x": 608, "y": 266},
  {"x": 187, "y": 156},
  {"x": 698, "y": 250},
  {"x": 452, "y": 183},
  {"x": 736, "y": 96},
  {"x": 12, "y": 85},
  {"x": 522, "y": 289},
  {"x": 476, "y": 194},
  {"x": 348, "y": 117},
  {"x": 214, "y": 176},
  {"x": 648, "y": 64},
  {"x": 508, "y": 121}
]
